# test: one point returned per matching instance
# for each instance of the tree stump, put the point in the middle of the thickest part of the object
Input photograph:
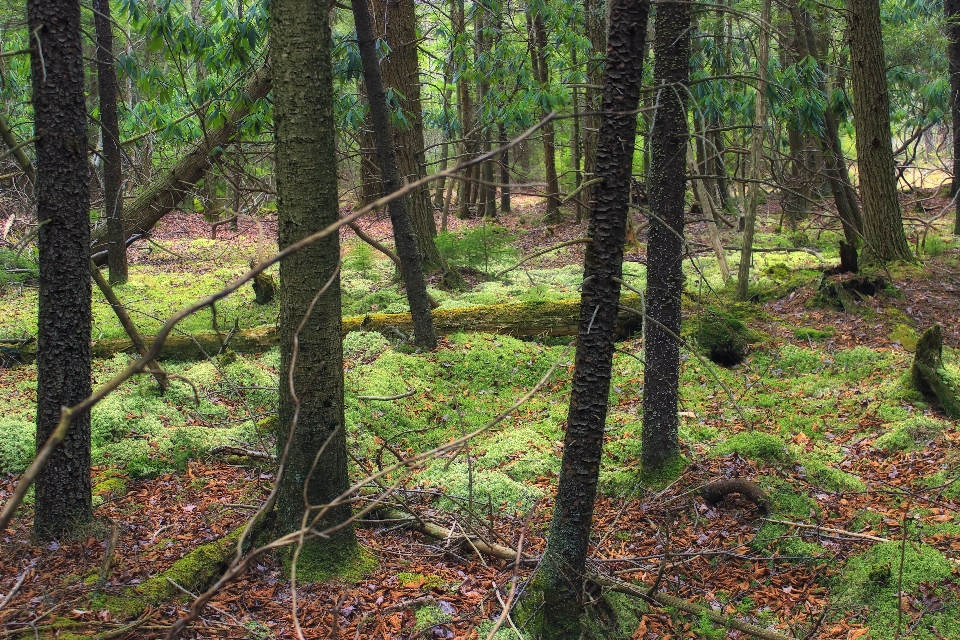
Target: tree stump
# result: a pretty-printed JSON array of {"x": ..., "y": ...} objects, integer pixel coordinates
[{"x": 928, "y": 373}]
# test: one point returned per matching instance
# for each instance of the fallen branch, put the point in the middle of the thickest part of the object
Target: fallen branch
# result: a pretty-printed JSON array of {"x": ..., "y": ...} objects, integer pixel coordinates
[
  {"x": 839, "y": 532},
  {"x": 244, "y": 453},
  {"x": 639, "y": 591}
]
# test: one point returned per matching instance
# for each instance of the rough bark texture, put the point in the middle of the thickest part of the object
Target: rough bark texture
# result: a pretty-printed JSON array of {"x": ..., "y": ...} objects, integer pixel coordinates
[
  {"x": 541, "y": 72},
  {"x": 836, "y": 166},
  {"x": 63, "y": 334},
  {"x": 306, "y": 203},
  {"x": 884, "y": 239},
  {"x": 951, "y": 11},
  {"x": 561, "y": 574},
  {"x": 395, "y": 21},
  {"x": 756, "y": 154},
  {"x": 112, "y": 170},
  {"x": 167, "y": 192},
  {"x": 665, "y": 242},
  {"x": 403, "y": 233}
]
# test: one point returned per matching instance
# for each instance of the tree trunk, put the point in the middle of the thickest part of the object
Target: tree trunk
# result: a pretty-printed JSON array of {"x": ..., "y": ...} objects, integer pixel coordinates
[
  {"x": 541, "y": 71},
  {"x": 395, "y": 21},
  {"x": 951, "y": 11},
  {"x": 112, "y": 169},
  {"x": 884, "y": 239},
  {"x": 665, "y": 245},
  {"x": 561, "y": 574},
  {"x": 307, "y": 202},
  {"x": 504, "y": 172},
  {"x": 63, "y": 500},
  {"x": 167, "y": 192},
  {"x": 756, "y": 155},
  {"x": 596, "y": 31},
  {"x": 403, "y": 233},
  {"x": 838, "y": 177}
]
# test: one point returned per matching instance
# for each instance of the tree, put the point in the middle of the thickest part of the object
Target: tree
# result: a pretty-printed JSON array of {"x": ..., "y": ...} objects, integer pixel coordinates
[
  {"x": 561, "y": 574},
  {"x": 395, "y": 21},
  {"x": 307, "y": 202},
  {"x": 110, "y": 125},
  {"x": 403, "y": 232},
  {"x": 63, "y": 497},
  {"x": 756, "y": 154},
  {"x": 541, "y": 73},
  {"x": 951, "y": 11},
  {"x": 884, "y": 238},
  {"x": 665, "y": 244}
]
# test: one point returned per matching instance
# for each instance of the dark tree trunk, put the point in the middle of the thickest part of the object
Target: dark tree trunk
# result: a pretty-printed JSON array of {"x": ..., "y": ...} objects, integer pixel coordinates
[
  {"x": 396, "y": 22},
  {"x": 541, "y": 72},
  {"x": 884, "y": 239},
  {"x": 596, "y": 31},
  {"x": 63, "y": 499},
  {"x": 561, "y": 574},
  {"x": 403, "y": 233},
  {"x": 504, "y": 173},
  {"x": 307, "y": 202},
  {"x": 838, "y": 177},
  {"x": 951, "y": 11},
  {"x": 112, "y": 169},
  {"x": 665, "y": 241}
]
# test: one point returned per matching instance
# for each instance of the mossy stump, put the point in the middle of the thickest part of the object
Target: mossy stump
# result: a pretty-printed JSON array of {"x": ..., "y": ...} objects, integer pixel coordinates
[
  {"x": 264, "y": 286},
  {"x": 928, "y": 374},
  {"x": 722, "y": 338},
  {"x": 844, "y": 293}
]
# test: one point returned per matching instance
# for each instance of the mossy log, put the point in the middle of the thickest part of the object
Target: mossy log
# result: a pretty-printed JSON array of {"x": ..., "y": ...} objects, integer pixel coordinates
[
  {"x": 928, "y": 374},
  {"x": 518, "y": 319}
]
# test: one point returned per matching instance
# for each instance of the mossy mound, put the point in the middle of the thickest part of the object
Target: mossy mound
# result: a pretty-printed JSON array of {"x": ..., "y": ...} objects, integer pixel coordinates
[
  {"x": 868, "y": 585},
  {"x": 756, "y": 445},
  {"x": 722, "y": 338}
]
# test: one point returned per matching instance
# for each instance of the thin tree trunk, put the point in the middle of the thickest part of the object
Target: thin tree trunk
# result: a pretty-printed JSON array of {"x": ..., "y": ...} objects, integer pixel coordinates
[
  {"x": 575, "y": 140},
  {"x": 504, "y": 172},
  {"x": 951, "y": 11},
  {"x": 396, "y": 22},
  {"x": 112, "y": 170},
  {"x": 167, "y": 192},
  {"x": 884, "y": 238},
  {"x": 316, "y": 467},
  {"x": 561, "y": 574},
  {"x": 838, "y": 177},
  {"x": 63, "y": 500},
  {"x": 665, "y": 244},
  {"x": 538, "y": 33},
  {"x": 596, "y": 32},
  {"x": 403, "y": 232},
  {"x": 128, "y": 326},
  {"x": 705, "y": 198},
  {"x": 756, "y": 154}
]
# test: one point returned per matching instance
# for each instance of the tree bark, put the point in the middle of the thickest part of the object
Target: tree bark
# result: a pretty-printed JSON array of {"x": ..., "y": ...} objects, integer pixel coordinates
[
  {"x": 112, "y": 169},
  {"x": 504, "y": 172},
  {"x": 63, "y": 499},
  {"x": 665, "y": 244},
  {"x": 403, "y": 232},
  {"x": 884, "y": 238},
  {"x": 838, "y": 177},
  {"x": 541, "y": 73},
  {"x": 951, "y": 11},
  {"x": 395, "y": 21},
  {"x": 562, "y": 571},
  {"x": 594, "y": 12},
  {"x": 756, "y": 154},
  {"x": 167, "y": 192},
  {"x": 307, "y": 202}
]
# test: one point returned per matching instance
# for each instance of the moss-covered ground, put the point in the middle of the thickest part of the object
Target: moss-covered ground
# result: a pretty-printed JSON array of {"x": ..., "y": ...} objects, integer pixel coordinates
[{"x": 860, "y": 468}]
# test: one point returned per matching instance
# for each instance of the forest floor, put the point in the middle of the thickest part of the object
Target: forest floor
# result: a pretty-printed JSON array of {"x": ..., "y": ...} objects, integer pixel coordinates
[{"x": 862, "y": 472}]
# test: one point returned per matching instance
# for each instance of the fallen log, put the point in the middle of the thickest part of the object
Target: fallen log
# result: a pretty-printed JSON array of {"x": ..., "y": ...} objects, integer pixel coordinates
[
  {"x": 166, "y": 193},
  {"x": 518, "y": 319}
]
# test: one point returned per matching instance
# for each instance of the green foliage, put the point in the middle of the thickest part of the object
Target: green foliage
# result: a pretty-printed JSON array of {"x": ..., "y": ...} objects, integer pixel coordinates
[
  {"x": 813, "y": 335},
  {"x": 16, "y": 268},
  {"x": 483, "y": 248}
]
